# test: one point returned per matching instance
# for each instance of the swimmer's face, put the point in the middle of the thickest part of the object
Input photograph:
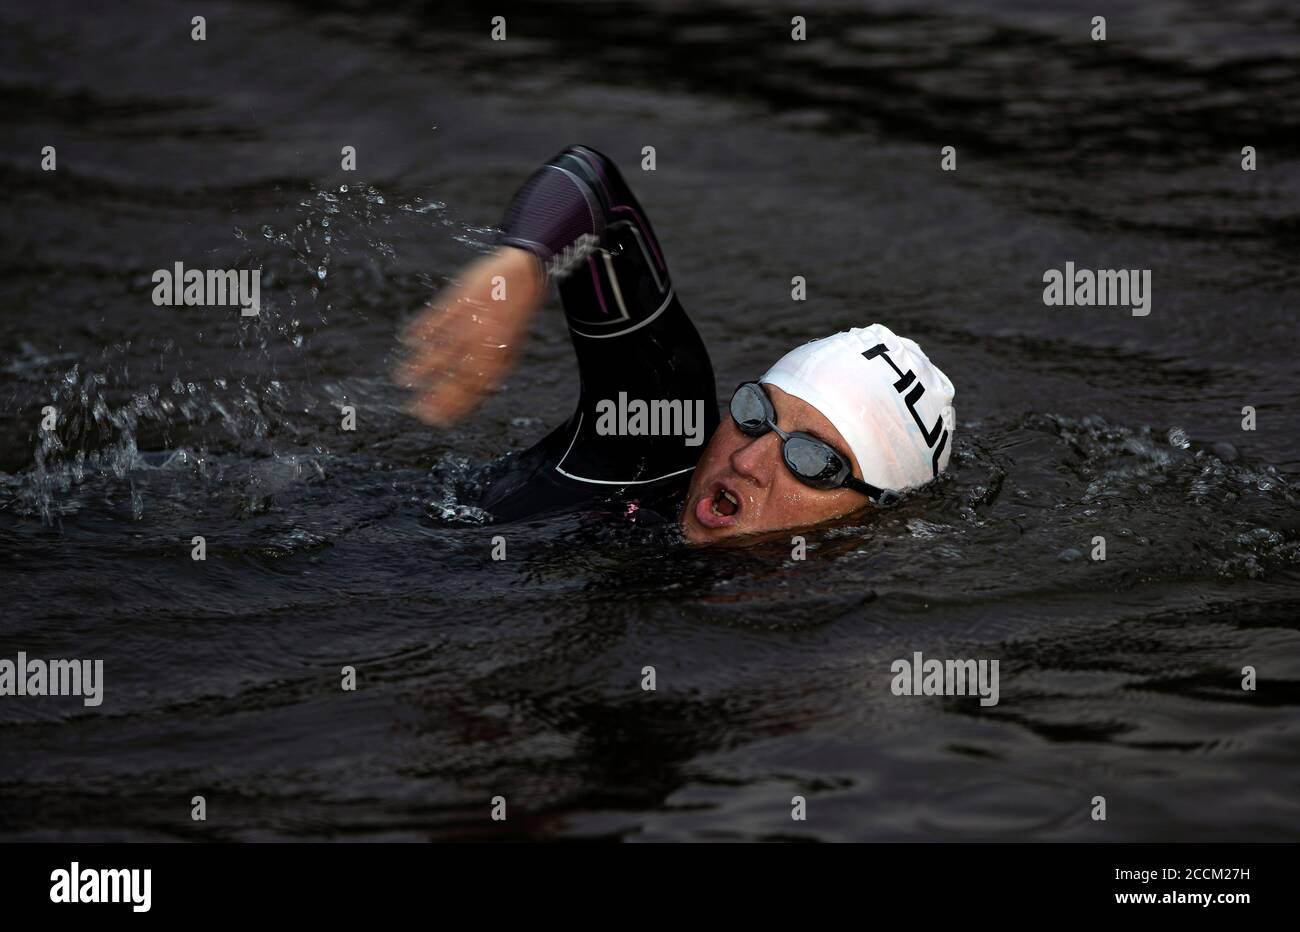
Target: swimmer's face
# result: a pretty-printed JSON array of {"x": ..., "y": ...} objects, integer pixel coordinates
[{"x": 749, "y": 472}]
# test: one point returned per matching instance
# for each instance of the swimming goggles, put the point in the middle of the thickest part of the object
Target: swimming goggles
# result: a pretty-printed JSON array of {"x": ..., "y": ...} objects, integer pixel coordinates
[{"x": 813, "y": 461}]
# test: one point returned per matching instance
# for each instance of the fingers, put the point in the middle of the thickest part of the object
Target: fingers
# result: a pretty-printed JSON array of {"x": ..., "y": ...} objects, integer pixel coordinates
[
  {"x": 425, "y": 327},
  {"x": 460, "y": 348},
  {"x": 449, "y": 341},
  {"x": 433, "y": 323},
  {"x": 442, "y": 332},
  {"x": 450, "y": 387},
  {"x": 448, "y": 405},
  {"x": 450, "y": 378}
]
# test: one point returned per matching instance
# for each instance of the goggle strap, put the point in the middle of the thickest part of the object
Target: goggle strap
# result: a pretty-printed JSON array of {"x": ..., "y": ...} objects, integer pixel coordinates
[{"x": 866, "y": 488}]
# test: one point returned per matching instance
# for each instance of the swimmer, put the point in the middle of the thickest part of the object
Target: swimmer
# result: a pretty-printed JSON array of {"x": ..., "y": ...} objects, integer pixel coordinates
[{"x": 836, "y": 426}]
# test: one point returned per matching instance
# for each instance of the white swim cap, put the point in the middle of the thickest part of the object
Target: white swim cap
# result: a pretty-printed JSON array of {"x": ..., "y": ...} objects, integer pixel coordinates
[{"x": 888, "y": 401}]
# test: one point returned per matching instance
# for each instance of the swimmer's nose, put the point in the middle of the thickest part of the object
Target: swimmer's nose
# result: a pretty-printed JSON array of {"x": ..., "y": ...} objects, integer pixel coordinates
[{"x": 754, "y": 459}]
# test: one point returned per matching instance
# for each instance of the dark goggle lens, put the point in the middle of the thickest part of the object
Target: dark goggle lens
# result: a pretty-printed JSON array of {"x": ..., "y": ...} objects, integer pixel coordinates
[
  {"x": 814, "y": 462},
  {"x": 748, "y": 409}
]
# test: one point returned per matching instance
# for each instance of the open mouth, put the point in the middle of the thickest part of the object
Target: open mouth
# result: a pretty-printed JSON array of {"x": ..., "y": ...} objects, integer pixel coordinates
[
  {"x": 725, "y": 503},
  {"x": 718, "y": 509}
]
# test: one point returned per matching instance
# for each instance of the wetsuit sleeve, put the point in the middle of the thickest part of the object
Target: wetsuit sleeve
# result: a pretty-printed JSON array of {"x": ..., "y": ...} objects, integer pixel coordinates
[
  {"x": 632, "y": 337},
  {"x": 555, "y": 214}
]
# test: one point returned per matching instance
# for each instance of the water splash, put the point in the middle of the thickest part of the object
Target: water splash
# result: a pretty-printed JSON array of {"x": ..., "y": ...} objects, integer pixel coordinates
[{"x": 325, "y": 267}]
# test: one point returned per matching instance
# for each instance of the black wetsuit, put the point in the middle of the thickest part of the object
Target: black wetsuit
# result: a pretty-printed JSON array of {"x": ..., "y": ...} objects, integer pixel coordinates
[{"x": 577, "y": 215}]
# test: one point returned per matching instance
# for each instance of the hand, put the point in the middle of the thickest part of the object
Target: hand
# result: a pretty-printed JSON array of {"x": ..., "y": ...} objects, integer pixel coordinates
[{"x": 465, "y": 342}]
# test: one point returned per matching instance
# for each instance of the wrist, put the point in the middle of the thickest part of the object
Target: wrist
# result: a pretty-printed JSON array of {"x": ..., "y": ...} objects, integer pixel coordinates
[{"x": 524, "y": 271}]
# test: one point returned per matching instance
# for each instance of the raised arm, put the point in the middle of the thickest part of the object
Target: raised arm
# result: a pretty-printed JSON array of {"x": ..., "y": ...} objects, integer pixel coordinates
[{"x": 469, "y": 338}]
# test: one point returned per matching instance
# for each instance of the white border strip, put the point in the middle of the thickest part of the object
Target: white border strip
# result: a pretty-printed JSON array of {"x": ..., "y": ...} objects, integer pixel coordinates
[
  {"x": 577, "y": 430},
  {"x": 622, "y": 481},
  {"x": 607, "y": 336}
]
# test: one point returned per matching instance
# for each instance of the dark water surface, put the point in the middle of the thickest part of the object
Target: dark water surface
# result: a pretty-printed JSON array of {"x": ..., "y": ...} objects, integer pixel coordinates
[{"x": 521, "y": 678}]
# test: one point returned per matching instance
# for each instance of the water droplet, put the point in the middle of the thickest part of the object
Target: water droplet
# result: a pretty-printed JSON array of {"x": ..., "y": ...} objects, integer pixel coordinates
[
  {"x": 1178, "y": 438},
  {"x": 320, "y": 273},
  {"x": 343, "y": 188},
  {"x": 1225, "y": 451}
]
